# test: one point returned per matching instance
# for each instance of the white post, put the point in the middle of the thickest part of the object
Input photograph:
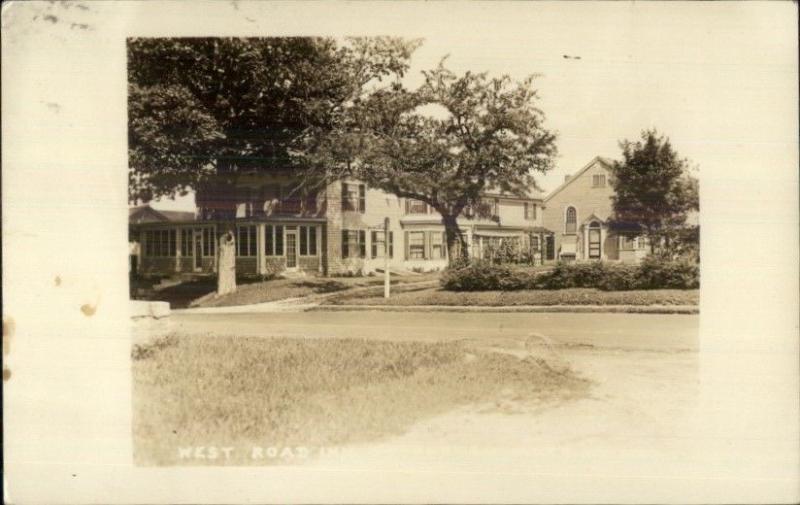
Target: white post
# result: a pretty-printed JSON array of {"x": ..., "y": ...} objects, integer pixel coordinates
[{"x": 386, "y": 281}]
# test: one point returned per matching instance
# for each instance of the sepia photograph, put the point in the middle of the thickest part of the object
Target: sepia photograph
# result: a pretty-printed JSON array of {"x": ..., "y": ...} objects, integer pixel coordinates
[
  {"x": 438, "y": 252},
  {"x": 367, "y": 257}
]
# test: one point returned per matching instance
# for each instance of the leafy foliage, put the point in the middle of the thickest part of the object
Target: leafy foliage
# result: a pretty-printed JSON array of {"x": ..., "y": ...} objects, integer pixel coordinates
[
  {"x": 652, "y": 273},
  {"x": 445, "y": 143},
  {"x": 654, "y": 189},
  {"x": 204, "y": 112}
]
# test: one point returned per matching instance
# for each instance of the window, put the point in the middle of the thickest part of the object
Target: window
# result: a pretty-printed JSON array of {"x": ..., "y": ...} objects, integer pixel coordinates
[
  {"x": 378, "y": 244},
  {"x": 173, "y": 243},
  {"x": 273, "y": 240},
  {"x": 354, "y": 197},
  {"x": 186, "y": 242},
  {"x": 416, "y": 245},
  {"x": 438, "y": 249},
  {"x": 354, "y": 244},
  {"x": 308, "y": 241},
  {"x": 161, "y": 243},
  {"x": 571, "y": 220},
  {"x": 209, "y": 244},
  {"x": 416, "y": 207},
  {"x": 598, "y": 181},
  {"x": 535, "y": 243},
  {"x": 246, "y": 243},
  {"x": 530, "y": 211}
]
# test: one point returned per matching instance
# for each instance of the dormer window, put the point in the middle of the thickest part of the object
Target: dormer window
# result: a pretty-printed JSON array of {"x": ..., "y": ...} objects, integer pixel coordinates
[{"x": 598, "y": 181}]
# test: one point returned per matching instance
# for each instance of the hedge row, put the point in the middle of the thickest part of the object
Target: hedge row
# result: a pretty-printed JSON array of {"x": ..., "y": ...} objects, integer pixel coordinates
[{"x": 650, "y": 274}]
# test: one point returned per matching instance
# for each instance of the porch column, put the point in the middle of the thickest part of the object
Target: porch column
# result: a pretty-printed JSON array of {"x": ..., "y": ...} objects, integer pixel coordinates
[
  {"x": 178, "y": 251},
  {"x": 260, "y": 241},
  {"x": 603, "y": 235}
]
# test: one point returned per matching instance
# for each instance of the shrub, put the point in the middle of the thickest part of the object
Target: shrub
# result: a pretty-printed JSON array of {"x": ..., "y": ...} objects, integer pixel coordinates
[
  {"x": 479, "y": 276},
  {"x": 680, "y": 274},
  {"x": 650, "y": 274}
]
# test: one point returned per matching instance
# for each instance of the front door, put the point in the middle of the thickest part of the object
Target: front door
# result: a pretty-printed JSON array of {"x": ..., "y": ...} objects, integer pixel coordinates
[
  {"x": 291, "y": 249},
  {"x": 594, "y": 241},
  {"x": 198, "y": 250}
]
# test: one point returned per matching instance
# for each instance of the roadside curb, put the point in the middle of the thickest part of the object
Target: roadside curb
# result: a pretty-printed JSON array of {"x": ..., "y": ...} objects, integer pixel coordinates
[{"x": 622, "y": 309}]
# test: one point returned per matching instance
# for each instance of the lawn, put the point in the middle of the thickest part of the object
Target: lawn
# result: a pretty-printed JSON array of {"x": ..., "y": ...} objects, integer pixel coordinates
[
  {"x": 199, "y": 293},
  {"x": 298, "y": 397},
  {"x": 576, "y": 296}
]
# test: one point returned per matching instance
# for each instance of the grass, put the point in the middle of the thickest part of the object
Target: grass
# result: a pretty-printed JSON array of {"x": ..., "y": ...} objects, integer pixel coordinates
[
  {"x": 189, "y": 294},
  {"x": 246, "y": 393},
  {"x": 576, "y": 296}
]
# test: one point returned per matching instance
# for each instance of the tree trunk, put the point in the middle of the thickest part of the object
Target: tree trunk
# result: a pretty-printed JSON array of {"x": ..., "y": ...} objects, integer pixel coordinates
[
  {"x": 456, "y": 246},
  {"x": 226, "y": 268}
]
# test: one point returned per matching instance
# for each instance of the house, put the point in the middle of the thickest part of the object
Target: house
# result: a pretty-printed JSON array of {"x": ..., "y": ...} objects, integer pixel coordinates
[
  {"x": 579, "y": 211},
  {"x": 144, "y": 214},
  {"x": 283, "y": 225},
  {"x": 336, "y": 230}
]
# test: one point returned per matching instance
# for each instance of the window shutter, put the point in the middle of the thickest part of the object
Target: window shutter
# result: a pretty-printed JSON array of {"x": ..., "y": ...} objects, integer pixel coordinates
[
  {"x": 426, "y": 240},
  {"x": 391, "y": 244},
  {"x": 362, "y": 198},
  {"x": 373, "y": 237},
  {"x": 444, "y": 245},
  {"x": 362, "y": 244},
  {"x": 406, "y": 244},
  {"x": 279, "y": 241},
  {"x": 345, "y": 250}
]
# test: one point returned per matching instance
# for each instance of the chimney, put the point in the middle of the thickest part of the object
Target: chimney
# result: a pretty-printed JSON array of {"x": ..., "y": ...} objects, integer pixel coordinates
[{"x": 566, "y": 178}]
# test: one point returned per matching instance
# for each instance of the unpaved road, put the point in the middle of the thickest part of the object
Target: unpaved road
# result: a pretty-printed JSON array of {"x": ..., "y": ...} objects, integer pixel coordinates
[
  {"x": 624, "y": 331},
  {"x": 637, "y": 419}
]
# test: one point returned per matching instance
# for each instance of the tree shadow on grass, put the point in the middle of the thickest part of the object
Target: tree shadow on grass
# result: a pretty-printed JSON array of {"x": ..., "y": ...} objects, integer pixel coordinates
[{"x": 323, "y": 287}]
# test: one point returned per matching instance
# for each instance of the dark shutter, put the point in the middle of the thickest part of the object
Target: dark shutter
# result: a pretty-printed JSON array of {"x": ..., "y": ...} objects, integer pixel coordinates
[
  {"x": 312, "y": 240},
  {"x": 362, "y": 243},
  {"x": 374, "y": 244},
  {"x": 391, "y": 244},
  {"x": 279, "y": 241},
  {"x": 362, "y": 198},
  {"x": 345, "y": 251},
  {"x": 303, "y": 241},
  {"x": 253, "y": 251},
  {"x": 406, "y": 244},
  {"x": 269, "y": 244}
]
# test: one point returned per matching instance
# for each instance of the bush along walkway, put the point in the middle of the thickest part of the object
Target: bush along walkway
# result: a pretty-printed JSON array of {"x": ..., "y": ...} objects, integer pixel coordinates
[{"x": 661, "y": 301}]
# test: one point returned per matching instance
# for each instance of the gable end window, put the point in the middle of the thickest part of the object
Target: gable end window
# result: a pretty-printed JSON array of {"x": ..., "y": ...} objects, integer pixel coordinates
[{"x": 598, "y": 181}]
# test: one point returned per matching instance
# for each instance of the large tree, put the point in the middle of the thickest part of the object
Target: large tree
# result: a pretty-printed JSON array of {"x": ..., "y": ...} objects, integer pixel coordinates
[
  {"x": 654, "y": 191},
  {"x": 446, "y": 142},
  {"x": 205, "y": 112}
]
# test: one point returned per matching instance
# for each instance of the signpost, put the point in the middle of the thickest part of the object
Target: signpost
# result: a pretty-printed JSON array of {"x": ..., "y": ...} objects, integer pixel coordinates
[{"x": 386, "y": 282}]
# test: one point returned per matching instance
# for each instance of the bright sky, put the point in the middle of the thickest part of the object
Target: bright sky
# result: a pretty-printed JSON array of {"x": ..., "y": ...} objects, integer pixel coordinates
[{"x": 713, "y": 77}]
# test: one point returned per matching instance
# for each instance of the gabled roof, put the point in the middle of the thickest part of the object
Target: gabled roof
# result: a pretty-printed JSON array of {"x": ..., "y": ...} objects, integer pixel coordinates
[
  {"x": 605, "y": 161},
  {"x": 593, "y": 217},
  {"x": 147, "y": 214},
  {"x": 530, "y": 194}
]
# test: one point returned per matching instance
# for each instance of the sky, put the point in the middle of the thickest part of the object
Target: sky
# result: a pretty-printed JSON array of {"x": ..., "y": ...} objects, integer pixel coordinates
[{"x": 712, "y": 77}]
